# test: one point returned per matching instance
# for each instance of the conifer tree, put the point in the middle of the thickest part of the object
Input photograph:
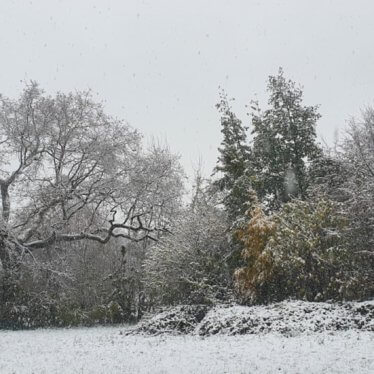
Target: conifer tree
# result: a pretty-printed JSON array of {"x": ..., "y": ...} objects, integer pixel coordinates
[
  {"x": 232, "y": 164},
  {"x": 284, "y": 141}
]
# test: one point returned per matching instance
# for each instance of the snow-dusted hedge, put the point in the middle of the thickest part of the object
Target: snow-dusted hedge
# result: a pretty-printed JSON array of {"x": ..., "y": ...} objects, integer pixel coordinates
[
  {"x": 180, "y": 319},
  {"x": 287, "y": 317}
]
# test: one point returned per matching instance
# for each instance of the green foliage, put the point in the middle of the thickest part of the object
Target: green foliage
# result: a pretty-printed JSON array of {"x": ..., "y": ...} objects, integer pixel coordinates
[
  {"x": 299, "y": 252},
  {"x": 232, "y": 165},
  {"x": 284, "y": 141},
  {"x": 310, "y": 253}
]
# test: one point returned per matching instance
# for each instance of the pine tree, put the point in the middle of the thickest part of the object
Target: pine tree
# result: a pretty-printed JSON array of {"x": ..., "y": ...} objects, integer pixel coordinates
[
  {"x": 232, "y": 165},
  {"x": 284, "y": 141}
]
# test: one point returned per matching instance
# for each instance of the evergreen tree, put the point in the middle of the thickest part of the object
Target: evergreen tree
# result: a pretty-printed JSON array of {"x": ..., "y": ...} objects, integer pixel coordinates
[
  {"x": 232, "y": 165},
  {"x": 284, "y": 142}
]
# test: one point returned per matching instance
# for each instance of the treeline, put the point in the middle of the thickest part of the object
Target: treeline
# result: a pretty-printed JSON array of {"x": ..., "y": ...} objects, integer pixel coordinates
[
  {"x": 80, "y": 194},
  {"x": 281, "y": 217},
  {"x": 94, "y": 228}
]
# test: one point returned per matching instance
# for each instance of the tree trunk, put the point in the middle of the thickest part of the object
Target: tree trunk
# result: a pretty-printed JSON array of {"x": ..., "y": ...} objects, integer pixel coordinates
[
  {"x": 4, "y": 255},
  {"x": 9, "y": 283},
  {"x": 5, "y": 201}
]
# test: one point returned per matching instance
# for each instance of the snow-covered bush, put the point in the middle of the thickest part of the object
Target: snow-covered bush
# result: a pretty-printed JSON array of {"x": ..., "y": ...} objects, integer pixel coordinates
[
  {"x": 83, "y": 285},
  {"x": 358, "y": 156},
  {"x": 175, "y": 320},
  {"x": 189, "y": 266},
  {"x": 288, "y": 318},
  {"x": 253, "y": 280},
  {"x": 300, "y": 252},
  {"x": 310, "y": 252}
]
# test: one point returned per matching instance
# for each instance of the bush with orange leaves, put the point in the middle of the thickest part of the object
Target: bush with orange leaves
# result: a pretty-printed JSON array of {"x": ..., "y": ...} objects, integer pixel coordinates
[
  {"x": 253, "y": 281},
  {"x": 299, "y": 252}
]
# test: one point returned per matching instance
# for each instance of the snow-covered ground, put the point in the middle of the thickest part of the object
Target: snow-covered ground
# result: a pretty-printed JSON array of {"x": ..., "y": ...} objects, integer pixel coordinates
[{"x": 107, "y": 350}]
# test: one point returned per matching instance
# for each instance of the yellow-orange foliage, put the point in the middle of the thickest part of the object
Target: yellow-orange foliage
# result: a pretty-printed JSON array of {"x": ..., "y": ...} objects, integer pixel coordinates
[{"x": 255, "y": 236}]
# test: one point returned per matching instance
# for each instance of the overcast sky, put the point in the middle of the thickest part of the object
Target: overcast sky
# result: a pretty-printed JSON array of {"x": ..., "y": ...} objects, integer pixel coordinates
[{"x": 158, "y": 63}]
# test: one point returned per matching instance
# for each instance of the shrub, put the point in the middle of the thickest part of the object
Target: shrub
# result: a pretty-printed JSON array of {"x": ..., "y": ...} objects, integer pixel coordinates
[{"x": 300, "y": 252}]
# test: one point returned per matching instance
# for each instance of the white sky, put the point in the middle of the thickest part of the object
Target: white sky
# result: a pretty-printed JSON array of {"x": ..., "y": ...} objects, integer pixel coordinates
[{"x": 158, "y": 64}]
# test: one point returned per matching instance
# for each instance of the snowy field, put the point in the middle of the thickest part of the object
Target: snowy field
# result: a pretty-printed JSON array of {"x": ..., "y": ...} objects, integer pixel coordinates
[{"x": 106, "y": 350}]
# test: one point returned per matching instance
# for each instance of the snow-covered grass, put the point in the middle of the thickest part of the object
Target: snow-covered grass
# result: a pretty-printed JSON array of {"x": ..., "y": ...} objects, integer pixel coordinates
[{"x": 108, "y": 350}]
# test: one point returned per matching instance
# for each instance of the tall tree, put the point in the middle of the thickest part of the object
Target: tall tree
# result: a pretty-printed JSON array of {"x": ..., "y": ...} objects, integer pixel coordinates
[
  {"x": 284, "y": 141},
  {"x": 358, "y": 157},
  {"x": 63, "y": 158},
  {"x": 232, "y": 164}
]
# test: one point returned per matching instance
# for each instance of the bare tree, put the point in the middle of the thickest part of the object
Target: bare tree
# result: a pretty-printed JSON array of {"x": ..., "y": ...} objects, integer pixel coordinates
[
  {"x": 358, "y": 157},
  {"x": 358, "y": 154},
  {"x": 61, "y": 158}
]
